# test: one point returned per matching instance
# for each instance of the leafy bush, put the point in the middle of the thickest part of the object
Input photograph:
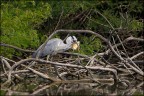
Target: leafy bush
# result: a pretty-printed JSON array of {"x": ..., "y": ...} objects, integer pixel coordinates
[
  {"x": 19, "y": 18},
  {"x": 90, "y": 45}
]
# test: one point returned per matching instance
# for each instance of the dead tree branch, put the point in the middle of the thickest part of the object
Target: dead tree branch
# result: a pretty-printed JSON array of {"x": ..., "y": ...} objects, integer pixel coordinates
[{"x": 17, "y": 48}]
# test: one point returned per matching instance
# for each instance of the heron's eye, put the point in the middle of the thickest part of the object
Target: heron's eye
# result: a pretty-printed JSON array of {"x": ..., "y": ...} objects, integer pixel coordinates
[{"x": 74, "y": 41}]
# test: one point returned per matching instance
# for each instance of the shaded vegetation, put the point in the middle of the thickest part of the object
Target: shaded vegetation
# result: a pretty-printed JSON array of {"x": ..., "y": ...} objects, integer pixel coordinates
[
  {"x": 27, "y": 24},
  {"x": 18, "y": 21}
]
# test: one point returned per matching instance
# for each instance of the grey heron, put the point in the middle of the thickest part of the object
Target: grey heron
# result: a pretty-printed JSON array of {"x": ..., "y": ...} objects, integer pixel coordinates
[{"x": 55, "y": 46}]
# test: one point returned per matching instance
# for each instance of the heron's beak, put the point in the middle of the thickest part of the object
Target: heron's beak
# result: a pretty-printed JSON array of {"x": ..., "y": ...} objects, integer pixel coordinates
[{"x": 75, "y": 45}]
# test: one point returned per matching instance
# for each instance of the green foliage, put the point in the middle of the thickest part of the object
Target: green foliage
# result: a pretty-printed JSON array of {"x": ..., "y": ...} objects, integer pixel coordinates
[
  {"x": 90, "y": 45},
  {"x": 135, "y": 25},
  {"x": 19, "y": 18},
  {"x": 119, "y": 14},
  {"x": 137, "y": 94},
  {"x": 2, "y": 93},
  {"x": 27, "y": 24},
  {"x": 31, "y": 87}
]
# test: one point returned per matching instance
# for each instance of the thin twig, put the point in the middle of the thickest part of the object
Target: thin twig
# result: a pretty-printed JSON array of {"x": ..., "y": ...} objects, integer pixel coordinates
[{"x": 135, "y": 56}]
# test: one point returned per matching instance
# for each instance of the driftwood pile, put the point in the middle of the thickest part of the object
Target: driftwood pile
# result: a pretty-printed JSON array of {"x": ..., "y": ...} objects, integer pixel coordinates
[{"x": 74, "y": 67}]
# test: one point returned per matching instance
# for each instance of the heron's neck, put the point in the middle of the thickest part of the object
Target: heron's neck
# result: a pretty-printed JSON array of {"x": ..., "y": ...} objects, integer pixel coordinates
[{"x": 68, "y": 46}]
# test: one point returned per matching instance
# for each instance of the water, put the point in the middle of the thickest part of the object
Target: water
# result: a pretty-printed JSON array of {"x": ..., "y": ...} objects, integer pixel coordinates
[{"x": 73, "y": 89}]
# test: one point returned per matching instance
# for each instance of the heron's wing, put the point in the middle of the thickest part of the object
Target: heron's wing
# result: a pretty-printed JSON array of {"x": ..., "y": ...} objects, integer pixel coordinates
[
  {"x": 53, "y": 46},
  {"x": 36, "y": 52},
  {"x": 49, "y": 48},
  {"x": 61, "y": 47}
]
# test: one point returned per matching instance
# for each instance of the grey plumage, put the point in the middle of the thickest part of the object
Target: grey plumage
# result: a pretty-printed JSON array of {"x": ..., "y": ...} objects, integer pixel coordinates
[{"x": 54, "y": 46}]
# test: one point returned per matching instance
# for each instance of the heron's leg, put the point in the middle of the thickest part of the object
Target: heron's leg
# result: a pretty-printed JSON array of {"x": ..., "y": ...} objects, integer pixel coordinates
[
  {"x": 49, "y": 67},
  {"x": 47, "y": 57}
]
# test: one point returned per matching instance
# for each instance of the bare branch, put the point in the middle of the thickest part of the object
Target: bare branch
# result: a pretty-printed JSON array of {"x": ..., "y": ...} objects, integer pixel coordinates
[
  {"x": 135, "y": 56},
  {"x": 6, "y": 63},
  {"x": 40, "y": 74},
  {"x": 17, "y": 48},
  {"x": 131, "y": 38}
]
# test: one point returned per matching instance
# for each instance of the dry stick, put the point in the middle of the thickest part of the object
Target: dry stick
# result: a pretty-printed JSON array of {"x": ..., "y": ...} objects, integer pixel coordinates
[
  {"x": 135, "y": 56},
  {"x": 128, "y": 59},
  {"x": 17, "y": 48},
  {"x": 91, "y": 68},
  {"x": 123, "y": 70},
  {"x": 55, "y": 67},
  {"x": 126, "y": 40},
  {"x": 127, "y": 55},
  {"x": 41, "y": 89},
  {"x": 75, "y": 54},
  {"x": 114, "y": 44},
  {"x": 18, "y": 77},
  {"x": 81, "y": 55},
  {"x": 9, "y": 67},
  {"x": 58, "y": 64},
  {"x": 125, "y": 62},
  {"x": 119, "y": 52},
  {"x": 15, "y": 72},
  {"x": 10, "y": 92},
  {"x": 3, "y": 67},
  {"x": 8, "y": 59},
  {"x": 10, "y": 71},
  {"x": 136, "y": 39},
  {"x": 91, "y": 60},
  {"x": 122, "y": 44},
  {"x": 91, "y": 75},
  {"x": 40, "y": 74},
  {"x": 59, "y": 88},
  {"x": 16, "y": 93},
  {"x": 6, "y": 63},
  {"x": 126, "y": 68},
  {"x": 132, "y": 90}
]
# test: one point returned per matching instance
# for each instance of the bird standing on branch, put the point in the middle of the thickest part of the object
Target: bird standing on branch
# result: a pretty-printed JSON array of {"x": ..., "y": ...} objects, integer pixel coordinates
[{"x": 55, "y": 46}]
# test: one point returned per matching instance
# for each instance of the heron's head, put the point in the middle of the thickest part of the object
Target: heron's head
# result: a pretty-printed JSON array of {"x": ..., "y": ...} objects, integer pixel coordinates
[{"x": 72, "y": 40}]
